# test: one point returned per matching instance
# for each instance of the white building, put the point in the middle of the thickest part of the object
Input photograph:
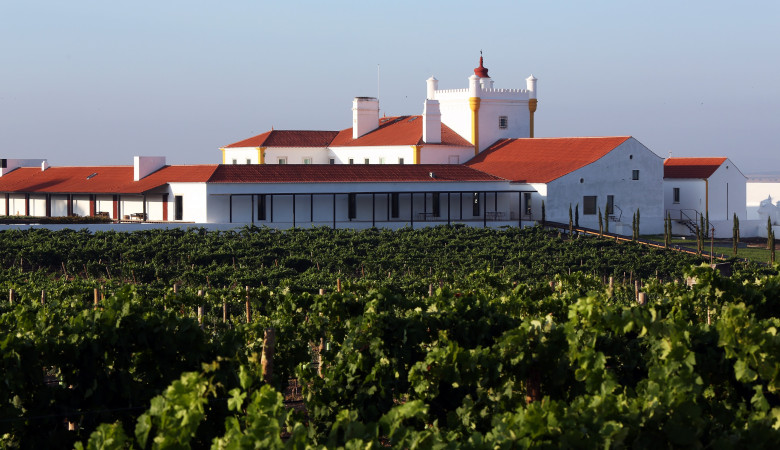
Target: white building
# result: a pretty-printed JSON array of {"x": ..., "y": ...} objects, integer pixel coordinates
[
  {"x": 455, "y": 125},
  {"x": 704, "y": 186},
  {"x": 616, "y": 175}
]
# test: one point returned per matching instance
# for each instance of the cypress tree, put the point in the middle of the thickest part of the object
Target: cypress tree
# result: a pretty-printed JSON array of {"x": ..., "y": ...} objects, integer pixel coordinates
[
  {"x": 633, "y": 227},
  {"x": 606, "y": 221},
  {"x": 700, "y": 235},
  {"x": 637, "y": 223},
  {"x": 735, "y": 233},
  {"x": 601, "y": 223},
  {"x": 577, "y": 215},
  {"x": 666, "y": 231},
  {"x": 571, "y": 222},
  {"x": 544, "y": 214}
]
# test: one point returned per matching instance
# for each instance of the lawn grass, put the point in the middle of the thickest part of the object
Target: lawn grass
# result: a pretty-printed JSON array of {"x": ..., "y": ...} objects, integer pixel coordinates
[{"x": 722, "y": 246}]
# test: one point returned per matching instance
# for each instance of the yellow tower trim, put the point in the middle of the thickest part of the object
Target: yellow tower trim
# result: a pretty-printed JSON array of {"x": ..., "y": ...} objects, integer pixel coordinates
[
  {"x": 532, "y": 109},
  {"x": 416, "y": 149},
  {"x": 474, "y": 104},
  {"x": 223, "y": 155},
  {"x": 261, "y": 155}
]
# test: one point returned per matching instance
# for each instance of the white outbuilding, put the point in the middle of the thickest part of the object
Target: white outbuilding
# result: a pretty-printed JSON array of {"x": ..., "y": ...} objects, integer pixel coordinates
[{"x": 708, "y": 187}]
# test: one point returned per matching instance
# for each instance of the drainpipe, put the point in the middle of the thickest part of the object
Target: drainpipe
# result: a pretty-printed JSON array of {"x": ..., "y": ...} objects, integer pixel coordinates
[{"x": 707, "y": 200}]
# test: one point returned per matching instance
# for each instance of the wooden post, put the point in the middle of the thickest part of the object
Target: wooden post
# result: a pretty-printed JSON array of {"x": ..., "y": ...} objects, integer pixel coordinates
[
  {"x": 322, "y": 291},
  {"x": 11, "y": 295},
  {"x": 200, "y": 317},
  {"x": 338, "y": 284},
  {"x": 224, "y": 311},
  {"x": 636, "y": 290},
  {"x": 319, "y": 356},
  {"x": 248, "y": 311},
  {"x": 642, "y": 298},
  {"x": 611, "y": 283},
  {"x": 430, "y": 290},
  {"x": 43, "y": 297},
  {"x": 96, "y": 298},
  {"x": 175, "y": 288},
  {"x": 267, "y": 360}
]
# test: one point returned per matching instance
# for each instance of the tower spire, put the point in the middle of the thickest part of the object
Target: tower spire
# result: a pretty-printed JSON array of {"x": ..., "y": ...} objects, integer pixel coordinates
[{"x": 481, "y": 71}]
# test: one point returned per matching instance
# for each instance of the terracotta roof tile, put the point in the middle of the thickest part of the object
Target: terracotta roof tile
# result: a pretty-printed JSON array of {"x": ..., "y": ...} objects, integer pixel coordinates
[
  {"x": 346, "y": 173},
  {"x": 400, "y": 130},
  {"x": 288, "y": 138},
  {"x": 691, "y": 167},
  {"x": 98, "y": 179},
  {"x": 541, "y": 160}
]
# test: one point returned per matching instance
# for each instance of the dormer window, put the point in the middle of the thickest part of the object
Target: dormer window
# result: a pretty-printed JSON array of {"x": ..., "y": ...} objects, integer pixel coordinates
[{"x": 503, "y": 122}]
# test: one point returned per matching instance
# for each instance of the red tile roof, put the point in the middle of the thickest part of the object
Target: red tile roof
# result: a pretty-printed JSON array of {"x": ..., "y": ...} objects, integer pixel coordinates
[
  {"x": 541, "y": 160},
  {"x": 346, "y": 173},
  {"x": 98, "y": 179},
  {"x": 691, "y": 167},
  {"x": 400, "y": 130},
  {"x": 288, "y": 138}
]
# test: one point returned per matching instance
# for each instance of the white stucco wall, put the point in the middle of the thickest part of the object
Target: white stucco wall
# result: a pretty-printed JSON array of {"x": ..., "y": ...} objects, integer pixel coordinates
[
  {"x": 441, "y": 154},
  {"x": 195, "y": 201},
  {"x": 390, "y": 153},
  {"x": 612, "y": 175},
  {"x": 756, "y": 192}
]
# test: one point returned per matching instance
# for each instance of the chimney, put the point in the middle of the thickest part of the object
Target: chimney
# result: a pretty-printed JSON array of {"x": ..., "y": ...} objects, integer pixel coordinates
[
  {"x": 44, "y": 165},
  {"x": 365, "y": 116},
  {"x": 432, "y": 84},
  {"x": 431, "y": 122},
  {"x": 146, "y": 165},
  {"x": 10, "y": 164}
]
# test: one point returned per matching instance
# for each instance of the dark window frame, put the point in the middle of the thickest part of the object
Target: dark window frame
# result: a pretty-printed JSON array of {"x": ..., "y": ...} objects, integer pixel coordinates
[
  {"x": 589, "y": 203},
  {"x": 178, "y": 207}
]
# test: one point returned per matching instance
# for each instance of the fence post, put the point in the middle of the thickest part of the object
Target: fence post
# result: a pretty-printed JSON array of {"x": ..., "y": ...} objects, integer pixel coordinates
[
  {"x": 43, "y": 297},
  {"x": 642, "y": 298},
  {"x": 175, "y": 288},
  {"x": 267, "y": 360},
  {"x": 636, "y": 290},
  {"x": 322, "y": 291},
  {"x": 11, "y": 295},
  {"x": 96, "y": 299},
  {"x": 248, "y": 311},
  {"x": 224, "y": 310},
  {"x": 319, "y": 356},
  {"x": 338, "y": 284}
]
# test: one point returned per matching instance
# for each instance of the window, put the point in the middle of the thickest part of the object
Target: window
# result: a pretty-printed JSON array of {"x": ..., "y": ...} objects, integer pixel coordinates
[
  {"x": 178, "y": 207},
  {"x": 400, "y": 160},
  {"x": 676, "y": 194},
  {"x": 351, "y": 161},
  {"x": 634, "y": 174},
  {"x": 3, "y": 164},
  {"x": 365, "y": 161},
  {"x": 282, "y": 160},
  {"x": 332, "y": 161},
  {"x": 475, "y": 204},
  {"x": 235, "y": 161},
  {"x": 454, "y": 159},
  {"x": 610, "y": 205},
  {"x": 381, "y": 160},
  {"x": 527, "y": 199},
  {"x": 436, "y": 204},
  {"x": 589, "y": 204},
  {"x": 503, "y": 122},
  {"x": 261, "y": 207},
  {"x": 394, "y": 202},
  {"x": 352, "y": 206},
  {"x": 307, "y": 160},
  {"x": 248, "y": 161}
]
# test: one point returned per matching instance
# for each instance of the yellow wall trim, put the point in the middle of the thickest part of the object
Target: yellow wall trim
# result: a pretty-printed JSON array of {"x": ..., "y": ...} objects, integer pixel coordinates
[
  {"x": 474, "y": 104},
  {"x": 532, "y": 109},
  {"x": 223, "y": 155},
  {"x": 416, "y": 153},
  {"x": 261, "y": 155}
]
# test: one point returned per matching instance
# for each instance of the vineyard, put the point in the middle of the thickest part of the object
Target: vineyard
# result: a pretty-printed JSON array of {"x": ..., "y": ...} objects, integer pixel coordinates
[{"x": 441, "y": 337}]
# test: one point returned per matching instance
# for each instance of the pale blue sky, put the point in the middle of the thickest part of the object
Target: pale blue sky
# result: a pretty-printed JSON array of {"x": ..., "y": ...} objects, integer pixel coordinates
[{"x": 96, "y": 82}]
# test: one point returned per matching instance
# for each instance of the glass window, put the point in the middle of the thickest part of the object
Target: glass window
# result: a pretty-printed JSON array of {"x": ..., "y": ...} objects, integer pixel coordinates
[
  {"x": 503, "y": 122},
  {"x": 527, "y": 198},
  {"x": 634, "y": 174},
  {"x": 178, "y": 207},
  {"x": 676, "y": 192},
  {"x": 332, "y": 161},
  {"x": 351, "y": 161},
  {"x": 436, "y": 204},
  {"x": 589, "y": 204},
  {"x": 400, "y": 160},
  {"x": 282, "y": 160},
  {"x": 475, "y": 210},
  {"x": 352, "y": 206},
  {"x": 365, "y": 161},
  {"x": 610, "y": 204},
  {"x": 394, "y": 203},
  {"x": 261, "y": 207},
  {"x": 248, "y": 161},
  {"x": 235, "y": 161},
  {"x": 307, "y": 160}
]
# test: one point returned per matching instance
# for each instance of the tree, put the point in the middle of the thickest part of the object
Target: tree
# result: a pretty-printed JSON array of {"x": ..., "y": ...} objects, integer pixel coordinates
[
  {"x": 637, "y": 223},
  {"x": 633, "y": 227},
  {"x": 770, "y": 240},
  {"x": 700, "y": 235},
  {"x": 571, "y": 222},
  {"x": 606, "y": 219},
  {"x": 577, "y": 215},
  {"x": 601, "y": 223},
  {"x": 544, "y": 214},
  {"x": 667, "y": 230},
  {"x": 735, "y": 233}
]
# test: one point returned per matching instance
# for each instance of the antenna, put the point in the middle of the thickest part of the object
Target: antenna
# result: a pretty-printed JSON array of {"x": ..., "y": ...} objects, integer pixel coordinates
[{"x": 377, "y": 82}]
